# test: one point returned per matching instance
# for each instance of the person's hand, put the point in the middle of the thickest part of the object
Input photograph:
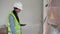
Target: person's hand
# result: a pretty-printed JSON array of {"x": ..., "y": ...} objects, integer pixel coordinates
[{"x": 22, "y": 24}]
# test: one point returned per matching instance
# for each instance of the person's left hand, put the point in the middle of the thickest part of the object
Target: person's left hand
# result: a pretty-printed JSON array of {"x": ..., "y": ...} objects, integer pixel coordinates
[{"x": 22, "y": 24}]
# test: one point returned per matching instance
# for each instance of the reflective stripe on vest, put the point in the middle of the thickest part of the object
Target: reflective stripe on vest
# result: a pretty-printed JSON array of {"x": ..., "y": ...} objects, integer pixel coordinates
[{"x": 16, "y": 24}]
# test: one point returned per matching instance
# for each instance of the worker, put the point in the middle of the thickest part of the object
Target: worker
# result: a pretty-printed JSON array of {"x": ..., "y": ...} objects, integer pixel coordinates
[{"x": 14, "y": 26}]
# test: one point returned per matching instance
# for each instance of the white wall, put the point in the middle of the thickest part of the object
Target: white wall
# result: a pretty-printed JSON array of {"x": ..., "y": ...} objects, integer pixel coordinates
[{"x": 31, "y": 15}]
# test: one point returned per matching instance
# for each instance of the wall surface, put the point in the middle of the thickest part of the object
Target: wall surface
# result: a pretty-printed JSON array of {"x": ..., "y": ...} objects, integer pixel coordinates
[
  {"x": 31, "y": 15},
  {"x": 54, "y": 3}
]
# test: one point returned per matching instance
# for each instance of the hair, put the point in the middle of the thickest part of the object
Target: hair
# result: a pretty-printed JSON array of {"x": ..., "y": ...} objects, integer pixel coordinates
[{"x": 15, "y": 8}]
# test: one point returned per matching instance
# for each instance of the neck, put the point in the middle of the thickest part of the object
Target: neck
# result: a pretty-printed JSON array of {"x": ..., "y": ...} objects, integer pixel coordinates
[{"x": 15, "y": 11}]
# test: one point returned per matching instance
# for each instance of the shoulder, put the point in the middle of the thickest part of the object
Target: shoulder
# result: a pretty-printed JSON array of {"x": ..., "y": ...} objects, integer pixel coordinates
[{"x": 10, "y": 16}]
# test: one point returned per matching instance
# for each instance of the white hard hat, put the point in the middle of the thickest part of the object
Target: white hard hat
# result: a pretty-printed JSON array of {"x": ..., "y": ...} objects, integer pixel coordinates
[{"x": 18, "y": 5}]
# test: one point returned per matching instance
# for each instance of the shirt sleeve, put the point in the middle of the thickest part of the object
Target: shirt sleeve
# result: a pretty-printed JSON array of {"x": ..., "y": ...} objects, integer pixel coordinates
[{"x": 12, "y": 25}]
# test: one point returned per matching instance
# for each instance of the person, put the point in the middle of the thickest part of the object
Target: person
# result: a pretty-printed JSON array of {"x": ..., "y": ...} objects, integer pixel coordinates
[{"x": 14, "y": 26}]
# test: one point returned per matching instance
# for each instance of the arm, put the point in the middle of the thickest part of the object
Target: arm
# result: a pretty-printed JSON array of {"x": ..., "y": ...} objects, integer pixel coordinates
[
  {"x": 22, "y": 24},
  {"x": 12, "y": 24}
]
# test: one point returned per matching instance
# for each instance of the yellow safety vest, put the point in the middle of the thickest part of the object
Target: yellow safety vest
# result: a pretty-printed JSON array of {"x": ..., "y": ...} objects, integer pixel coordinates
[{"x": 17, "y": 25}]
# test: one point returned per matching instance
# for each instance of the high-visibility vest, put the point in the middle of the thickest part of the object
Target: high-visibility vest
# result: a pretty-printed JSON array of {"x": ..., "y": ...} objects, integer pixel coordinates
[{"x": 16, "y": 24}]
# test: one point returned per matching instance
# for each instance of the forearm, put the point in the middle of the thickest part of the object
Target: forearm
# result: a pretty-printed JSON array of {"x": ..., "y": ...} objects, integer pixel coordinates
[{"x": 22, "y": 24}]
